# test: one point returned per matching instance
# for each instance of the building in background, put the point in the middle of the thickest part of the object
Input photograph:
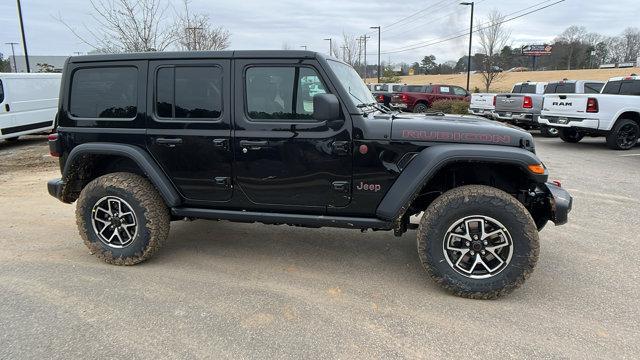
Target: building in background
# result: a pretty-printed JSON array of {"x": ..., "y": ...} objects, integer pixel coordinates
[{"x": 56, "y": 63}]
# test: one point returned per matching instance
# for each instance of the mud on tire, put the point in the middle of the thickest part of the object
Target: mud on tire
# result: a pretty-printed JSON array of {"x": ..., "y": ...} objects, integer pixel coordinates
[
  {"x": 467, "y": 202},
  {"x": 148, "y": 212}
]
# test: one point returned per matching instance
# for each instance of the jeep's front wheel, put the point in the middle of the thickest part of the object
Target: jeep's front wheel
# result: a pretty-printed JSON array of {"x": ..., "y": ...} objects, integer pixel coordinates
[
  {"x": 122, "y": 218},
  {"x": 478, "y": 242}
]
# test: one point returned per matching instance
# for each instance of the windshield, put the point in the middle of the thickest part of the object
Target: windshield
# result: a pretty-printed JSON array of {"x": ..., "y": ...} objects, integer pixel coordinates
[{"x": 351, "y": 81}]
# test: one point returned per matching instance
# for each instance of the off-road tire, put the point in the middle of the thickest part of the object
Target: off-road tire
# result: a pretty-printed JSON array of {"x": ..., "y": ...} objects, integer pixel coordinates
[
  {"x": 152, "y": 217},
  {"x": 548, "y": 131},
  {"x": 420, "y": 108},
  {"x": 486, "y": 201},
  {"x": 570, "y": 135},
  {"x": 627, "y": 125}
]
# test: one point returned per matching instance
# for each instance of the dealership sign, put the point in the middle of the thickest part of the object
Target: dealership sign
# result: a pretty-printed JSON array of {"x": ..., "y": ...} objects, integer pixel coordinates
[{"x": 537, "y": 50}]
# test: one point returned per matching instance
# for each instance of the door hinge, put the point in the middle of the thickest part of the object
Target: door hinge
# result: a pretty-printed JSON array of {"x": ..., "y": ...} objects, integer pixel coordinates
[
  {"x": 223, "y": 181},
  {"x": 341, "y": 147},
  {"x": 341, "y": 186}
]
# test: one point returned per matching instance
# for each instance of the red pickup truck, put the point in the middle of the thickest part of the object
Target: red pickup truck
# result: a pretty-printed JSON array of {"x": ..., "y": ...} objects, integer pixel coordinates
[{"x": 418, "y": 98}]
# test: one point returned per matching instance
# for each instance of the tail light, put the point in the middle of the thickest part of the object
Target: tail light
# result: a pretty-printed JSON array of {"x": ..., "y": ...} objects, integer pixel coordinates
[
  {"x": 527, "y": 103},
  {"x": 592, "y": 105},
  {"x": 53, "y": 145},
  {"x": 404, "y": 98},
  {"x": 494, "y": 100},
  {"x": 380, "y": 98}
]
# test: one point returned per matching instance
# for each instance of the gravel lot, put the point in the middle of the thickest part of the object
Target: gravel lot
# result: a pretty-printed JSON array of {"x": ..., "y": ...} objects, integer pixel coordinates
[{"x": 223, "y": 290}]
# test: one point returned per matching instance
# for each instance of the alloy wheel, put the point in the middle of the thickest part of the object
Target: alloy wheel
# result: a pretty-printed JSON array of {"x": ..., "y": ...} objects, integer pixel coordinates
[{"x": 114, "y": 222}]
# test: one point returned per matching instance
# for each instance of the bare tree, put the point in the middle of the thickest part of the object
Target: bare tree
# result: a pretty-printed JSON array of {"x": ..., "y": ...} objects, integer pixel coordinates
[
  {"x": 286, "y": 46},
  {"x": 494, "y": 36},
  {"x": 127, "y": 26},
  {"x": 631, "y": 40},
  {"x": 572, "y": 36},
  {"x": 195, "y": 32},
  {"x": 350, "y": 48}
]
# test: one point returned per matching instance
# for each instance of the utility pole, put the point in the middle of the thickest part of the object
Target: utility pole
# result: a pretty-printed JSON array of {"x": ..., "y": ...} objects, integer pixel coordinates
[
  {"x": 304, "y": 47},
  {"x": 193, "y": 29},
  {"x": 366, "y": 73},
  {"x": 344, "y": 53},
  {"x": 378, "y": 27},
  {"x": 13, "y": 53},
  {"x": 360, "y": 52},
  {"x": 470, "y": 42},
  {"x": 330, "y": 46},
  {"x": 24, "y": 40}
]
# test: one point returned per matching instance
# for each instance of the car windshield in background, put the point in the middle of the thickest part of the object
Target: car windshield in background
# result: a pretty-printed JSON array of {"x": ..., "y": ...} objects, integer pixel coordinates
[
  {"x": 524, "y": 89},
  {"x": 352, "y": 82},
  {"x": 561, "y": 88},
  {"x": 629, "y": 87}
]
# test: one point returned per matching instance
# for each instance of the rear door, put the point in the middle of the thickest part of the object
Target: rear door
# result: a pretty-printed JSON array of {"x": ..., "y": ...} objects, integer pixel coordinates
[
  {"x": 189, "y": 126},
  {"x": 284, "y": 158}
]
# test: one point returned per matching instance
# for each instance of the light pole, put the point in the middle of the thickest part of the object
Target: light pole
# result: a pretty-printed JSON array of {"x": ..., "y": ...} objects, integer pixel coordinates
[
  {"x": 366, "y": 73},
  {"x": 470, "y": 42},
  {"x": 330, "y": 40},
  {"x": 24, "y": 41},
  {"x": 378, "y": 27},
  {"x": 13, "y": 53}
]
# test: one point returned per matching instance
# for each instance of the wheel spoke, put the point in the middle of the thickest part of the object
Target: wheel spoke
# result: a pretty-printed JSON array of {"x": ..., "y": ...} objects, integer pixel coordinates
[{"x": 123, "y": 227}]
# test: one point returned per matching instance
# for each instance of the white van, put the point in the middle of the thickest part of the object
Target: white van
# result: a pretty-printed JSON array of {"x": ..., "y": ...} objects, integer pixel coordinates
[{"x": 28, "y": 103}]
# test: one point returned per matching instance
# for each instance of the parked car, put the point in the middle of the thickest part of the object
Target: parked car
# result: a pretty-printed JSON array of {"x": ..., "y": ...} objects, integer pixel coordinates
[
  {"x": 522, "y": 106},
  {"x": 28, "y": 103},
  {"x": 483, "y": 104},
  {"x": 418, "y": 98},
  {"x": 383, "y": 92},
  {"x": 147, "y": 138},
  {"x": 614, "y": 113}
]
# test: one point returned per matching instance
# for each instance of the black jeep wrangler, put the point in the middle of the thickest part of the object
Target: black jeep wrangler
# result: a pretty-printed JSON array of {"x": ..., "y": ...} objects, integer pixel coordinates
[{"x": 292, "y": 137}]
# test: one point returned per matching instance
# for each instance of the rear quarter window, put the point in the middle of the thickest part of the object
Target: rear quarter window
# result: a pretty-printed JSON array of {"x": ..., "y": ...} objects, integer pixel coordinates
[{"x": 104, "y": 92}]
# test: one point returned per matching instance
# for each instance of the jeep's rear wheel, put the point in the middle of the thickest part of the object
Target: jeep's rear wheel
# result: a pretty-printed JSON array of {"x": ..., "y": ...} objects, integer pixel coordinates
[
  {"x": 478, "y": 242},
  {"x": 122, "y": 218},
  {"x": 420, "y": 108},
  {"x": 624, "y": 135},
  {"x": 570, "y": 135}
]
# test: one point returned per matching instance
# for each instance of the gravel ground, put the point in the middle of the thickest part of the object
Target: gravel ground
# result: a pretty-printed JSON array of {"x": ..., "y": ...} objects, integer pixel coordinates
[{"x": 223, "y": 290}]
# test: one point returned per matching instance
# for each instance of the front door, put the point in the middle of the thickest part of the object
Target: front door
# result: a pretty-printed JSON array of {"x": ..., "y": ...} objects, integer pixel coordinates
[
  {"x": 188, "y": 129},
  {"x": 283, "y": 156}
]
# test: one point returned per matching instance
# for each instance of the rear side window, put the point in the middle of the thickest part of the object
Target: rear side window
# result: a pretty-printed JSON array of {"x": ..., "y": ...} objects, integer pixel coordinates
[
  {"x": 445, "y": 90},
  {"x": 630, "y": 87},
  {"x": 561, "y": 88},
  {"x": 1, "y": 92},
  {"x": 189, "y": 92},
  {"x": 612, "y": 87},
  {"x": 593, "y": 88},
  {"x": 284, "y": 92},
  {"x": 106, "y": 92}
]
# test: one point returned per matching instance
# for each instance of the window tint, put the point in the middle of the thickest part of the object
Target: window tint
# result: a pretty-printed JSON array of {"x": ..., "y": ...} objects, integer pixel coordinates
[
  {"x": 527, "y": 89},
  {"x": 612, "y": 87},
  {"x": 189, "y": 92},
  {"x": 459, "y": 91},
  {"x": 593, "y": 88},
  {"x": 1, "y": 92},
  {"x": 416, "y": 88},
  {"x": 516, "y": 89},
  {"x": 630, "y": 88},
  {"x": 397, "y": 88},
  {"x": 108, "y": 92},
  {"x": 560, "y": 88},
  {"x": 282, "y": 92}
]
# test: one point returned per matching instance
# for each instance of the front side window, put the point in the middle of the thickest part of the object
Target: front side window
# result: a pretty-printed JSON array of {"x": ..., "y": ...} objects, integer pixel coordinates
[
  {"x": 459, "y": 91},
  {"x": 106, "y": 92},
  {"x": 284, "y": 92},
  {"x": 189, "y": 92}
]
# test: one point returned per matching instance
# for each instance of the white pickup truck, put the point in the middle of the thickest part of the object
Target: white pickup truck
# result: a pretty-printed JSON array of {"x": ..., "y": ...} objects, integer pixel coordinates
[
  {"x": 483, "y": 104},
  {"x": 613, "y": 113}
]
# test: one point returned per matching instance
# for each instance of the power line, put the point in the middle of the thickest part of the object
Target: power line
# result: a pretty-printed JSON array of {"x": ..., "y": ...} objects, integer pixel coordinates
[
  {"x": 387, "y": 27},
  {"x": 465, "y": 33}
]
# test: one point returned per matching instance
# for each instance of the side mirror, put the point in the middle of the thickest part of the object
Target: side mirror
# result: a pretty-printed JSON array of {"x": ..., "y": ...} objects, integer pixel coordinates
[{"x": 326, "y": 107}]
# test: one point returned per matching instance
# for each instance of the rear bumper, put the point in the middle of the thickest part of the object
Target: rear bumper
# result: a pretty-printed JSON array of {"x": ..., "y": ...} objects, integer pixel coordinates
[
  {"x": 481, "y": 112},
  {"x": 55, "y": 186},
  {"x": 515, "y": 117},
  {"x": 561, "y": 203},
  {"x": 568, "y": 122}
]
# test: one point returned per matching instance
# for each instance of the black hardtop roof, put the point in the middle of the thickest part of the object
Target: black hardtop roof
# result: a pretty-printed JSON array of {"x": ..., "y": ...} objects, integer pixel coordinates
[{"x": 171, "y": 55}]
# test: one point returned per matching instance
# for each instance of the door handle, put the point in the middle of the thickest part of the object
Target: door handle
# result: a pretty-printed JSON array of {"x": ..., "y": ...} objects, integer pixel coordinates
[
  {"x": 170, "y": 142},
  {"x": 221, "y": 143},
  {"x": 252, "y": 145}
]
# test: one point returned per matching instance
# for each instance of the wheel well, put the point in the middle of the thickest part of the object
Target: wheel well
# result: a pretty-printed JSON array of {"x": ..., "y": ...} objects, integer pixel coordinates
[
  {"x": 91, "y": 166},
  {"x": 509, "y": 178},
  {"x": 425, "y": 102},
  {"x": 630, "y": 115}
]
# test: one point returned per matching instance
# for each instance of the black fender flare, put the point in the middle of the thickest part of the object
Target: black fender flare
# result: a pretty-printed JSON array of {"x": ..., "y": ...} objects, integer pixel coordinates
[
  {"x": 430, "y": 160},
  {"x": 142, "y": 158}
]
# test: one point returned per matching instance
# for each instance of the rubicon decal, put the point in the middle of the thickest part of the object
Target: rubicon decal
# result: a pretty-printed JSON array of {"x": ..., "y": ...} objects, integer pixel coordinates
[
  {"x": 455, "y": 136},
  {"x": 369, "y": 187}
]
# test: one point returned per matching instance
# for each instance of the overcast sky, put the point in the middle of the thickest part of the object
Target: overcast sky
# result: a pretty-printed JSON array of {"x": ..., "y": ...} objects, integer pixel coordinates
[{"x": 267, "y": 24}]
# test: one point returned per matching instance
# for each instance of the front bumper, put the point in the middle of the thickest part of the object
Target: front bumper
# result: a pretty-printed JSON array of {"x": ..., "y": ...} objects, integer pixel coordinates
[
  {"x": 561, "y": 203},
  {"x": 55, "y": 187}
]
